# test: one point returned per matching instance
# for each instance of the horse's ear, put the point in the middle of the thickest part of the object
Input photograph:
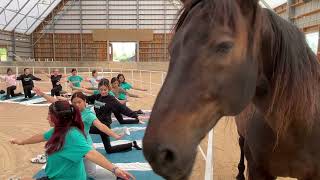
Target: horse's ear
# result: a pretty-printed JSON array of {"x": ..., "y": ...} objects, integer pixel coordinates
[{"x": 247, "y": 6}]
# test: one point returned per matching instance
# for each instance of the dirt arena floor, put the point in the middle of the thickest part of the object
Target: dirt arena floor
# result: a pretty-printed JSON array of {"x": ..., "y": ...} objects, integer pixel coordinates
[{"x": 21, "y": 121}]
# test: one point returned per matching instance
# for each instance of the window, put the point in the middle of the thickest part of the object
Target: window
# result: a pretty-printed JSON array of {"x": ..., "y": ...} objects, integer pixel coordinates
[
  {"x": 3, "y": 54},
  {"x": 312, "y": 40},
  {"x": 124, "y": 51}
]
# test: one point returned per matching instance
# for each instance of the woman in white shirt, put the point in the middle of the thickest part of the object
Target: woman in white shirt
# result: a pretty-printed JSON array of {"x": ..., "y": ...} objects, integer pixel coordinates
[
  {"x": 94, "y": 80},
  {"x": 11, "y": 83}
]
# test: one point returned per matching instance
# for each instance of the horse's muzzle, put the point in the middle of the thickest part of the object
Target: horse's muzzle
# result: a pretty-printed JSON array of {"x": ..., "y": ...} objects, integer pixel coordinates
[{"x": 166, "y": 161}]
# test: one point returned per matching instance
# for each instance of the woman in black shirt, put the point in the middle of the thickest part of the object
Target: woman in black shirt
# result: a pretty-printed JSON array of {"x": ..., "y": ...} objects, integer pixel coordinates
[
  {"x": 56, "y": 82},
  {"x": 27, "y": 82},
  {"x": 104, "y": 105}
]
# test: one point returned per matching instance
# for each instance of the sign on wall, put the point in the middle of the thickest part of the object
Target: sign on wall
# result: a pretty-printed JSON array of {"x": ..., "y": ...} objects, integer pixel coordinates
[
  {"x": 312, "y": 40},
  {"x": 122, "y": 35}
]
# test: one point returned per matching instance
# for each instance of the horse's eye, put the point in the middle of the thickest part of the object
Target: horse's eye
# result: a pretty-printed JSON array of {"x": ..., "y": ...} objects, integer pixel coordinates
[{"x": 224, "y": 47}]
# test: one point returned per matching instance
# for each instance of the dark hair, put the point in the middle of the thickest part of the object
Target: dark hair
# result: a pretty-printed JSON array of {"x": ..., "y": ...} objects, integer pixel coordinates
[
  {"x": 78, "y": 95},
  {"x": 103, "y": 82},
  {"x": 119, "y": 75},
  {"x": 8, "y": 70},
  {"x": 72, "y": 70},
  {"x": 93, "y": 72},
  {"x": 64, "y": 116},
  {"x": 114, "y": 79},
  {"x": 24, "y": 70}
]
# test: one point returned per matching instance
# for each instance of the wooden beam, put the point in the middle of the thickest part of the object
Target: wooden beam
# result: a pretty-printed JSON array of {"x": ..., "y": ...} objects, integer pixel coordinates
[
  {"x": 283, "y": 7},
  {"x": 298, "y": 3},
  {"x": 308, "y": 29},
  {"x": 50, "y": 16},
  {"x": 306, "y": 14}
]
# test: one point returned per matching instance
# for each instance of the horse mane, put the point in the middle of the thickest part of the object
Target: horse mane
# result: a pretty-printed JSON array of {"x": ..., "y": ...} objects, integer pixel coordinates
[{"x": 295, "y": 76}]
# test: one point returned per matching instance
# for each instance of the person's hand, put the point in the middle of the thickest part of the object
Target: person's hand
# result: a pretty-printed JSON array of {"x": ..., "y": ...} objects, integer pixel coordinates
[
  {"x": 16, "y": 141},
  {"x": 119, "y": 136},
  {"x": 123, "y": 174},
  {"x": 38, "y": 91}
]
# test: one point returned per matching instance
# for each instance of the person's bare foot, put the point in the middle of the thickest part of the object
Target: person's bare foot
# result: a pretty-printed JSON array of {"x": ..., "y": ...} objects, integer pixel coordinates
[{"x": 135, "y": 145}]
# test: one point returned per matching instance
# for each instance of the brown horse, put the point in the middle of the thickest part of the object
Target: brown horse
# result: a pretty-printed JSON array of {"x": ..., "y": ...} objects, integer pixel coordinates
[{"x": 225, "y": 55}]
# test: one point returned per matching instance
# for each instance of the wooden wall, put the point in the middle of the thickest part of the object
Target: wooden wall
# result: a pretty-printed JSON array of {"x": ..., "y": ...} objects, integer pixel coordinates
[
  {"x": 67, "y": 47},
  {"x": 156, "y": 50}
]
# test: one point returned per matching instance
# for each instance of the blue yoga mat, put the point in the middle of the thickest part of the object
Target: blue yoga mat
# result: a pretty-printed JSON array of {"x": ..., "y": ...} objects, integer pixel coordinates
[{"x": 21, "y": 100}]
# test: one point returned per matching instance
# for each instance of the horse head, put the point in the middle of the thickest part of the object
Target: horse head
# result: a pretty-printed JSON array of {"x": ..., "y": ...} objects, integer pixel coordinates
[{"x": 212, "y": 73}]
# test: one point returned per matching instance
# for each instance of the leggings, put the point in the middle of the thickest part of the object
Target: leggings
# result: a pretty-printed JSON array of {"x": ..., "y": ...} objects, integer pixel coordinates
[
  {"x": 56, "y": 91},
  {"x": 106, "y": 142},
  {"x": 122, "y": 121},
  {"x": 90, "y": 168},
  {"x": 27, "y": 91},
  {"x": 10, "y": 91}
]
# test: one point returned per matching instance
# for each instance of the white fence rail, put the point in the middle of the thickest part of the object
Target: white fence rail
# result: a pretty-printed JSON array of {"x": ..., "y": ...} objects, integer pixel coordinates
[{"x": 150, "y": 80}]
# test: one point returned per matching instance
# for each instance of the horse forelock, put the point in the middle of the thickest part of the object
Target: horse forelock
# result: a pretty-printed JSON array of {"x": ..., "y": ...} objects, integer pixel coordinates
[{"x": 226, "y": 11}]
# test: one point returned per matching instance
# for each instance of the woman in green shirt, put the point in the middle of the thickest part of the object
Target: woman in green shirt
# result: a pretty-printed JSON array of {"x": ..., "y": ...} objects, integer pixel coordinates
[
  {"x": 119, "y": 92},
  {"x": 126, "y": 86},
  {"x": 75, "y": 79},
  {"x": 89, "y": 119},
  {"x": 67, "y": 145}
]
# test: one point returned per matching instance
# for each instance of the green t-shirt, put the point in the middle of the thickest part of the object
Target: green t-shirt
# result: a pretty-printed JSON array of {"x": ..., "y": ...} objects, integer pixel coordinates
[
  {"x": 88, "y": 117},
  {"x": 126, "y": 86},
  {"x": 111, "y": 94},
  {"x": 96, "y": 92},
  {"x": 67, "y": 163},
  {"x": 122, "y": 96},
  {"x": 75, "y": 80}
]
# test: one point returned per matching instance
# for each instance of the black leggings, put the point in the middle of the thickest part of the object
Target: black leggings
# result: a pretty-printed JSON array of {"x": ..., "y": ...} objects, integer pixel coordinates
[
  {"x": 56, "y": 91},
  {"x": 27, "y": 91},
  {"x": 122, "y": 121},
  {"x": 10, "y": 91},
  {"x": 106, "y": 142}
]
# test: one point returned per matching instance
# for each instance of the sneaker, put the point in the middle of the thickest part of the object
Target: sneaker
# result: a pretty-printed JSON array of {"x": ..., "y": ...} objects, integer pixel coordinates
[
  {"x": 40, "y": 159},
  {"x": 127, "y": 131}
]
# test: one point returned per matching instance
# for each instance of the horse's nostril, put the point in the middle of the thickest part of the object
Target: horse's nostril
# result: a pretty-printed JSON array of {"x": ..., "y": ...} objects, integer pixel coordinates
[{"x": 167, "y": 156}]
